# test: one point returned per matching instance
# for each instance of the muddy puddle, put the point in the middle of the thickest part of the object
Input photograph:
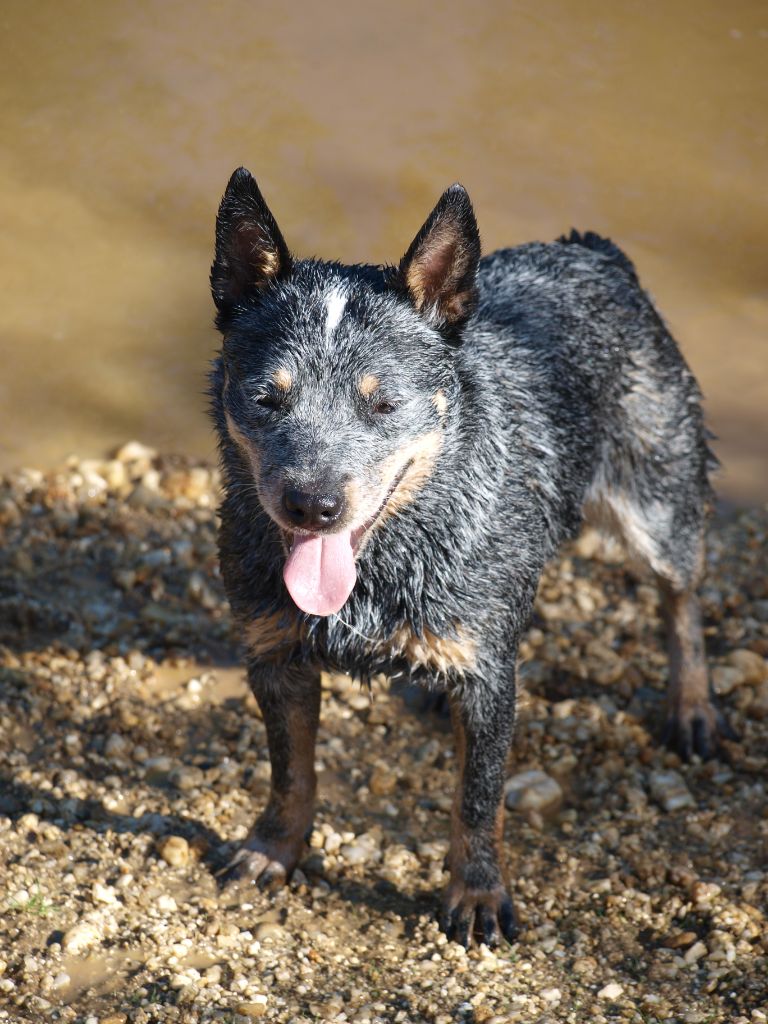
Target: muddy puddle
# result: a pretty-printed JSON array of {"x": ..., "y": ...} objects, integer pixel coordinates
[{"x": 121, "y": 123}]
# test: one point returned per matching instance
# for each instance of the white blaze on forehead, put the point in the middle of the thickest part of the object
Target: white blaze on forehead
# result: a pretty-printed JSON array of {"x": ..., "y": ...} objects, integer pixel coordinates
[{"x": 335, "y": 304}]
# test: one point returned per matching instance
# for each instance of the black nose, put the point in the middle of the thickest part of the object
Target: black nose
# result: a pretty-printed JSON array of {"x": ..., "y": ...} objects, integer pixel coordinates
[{"x": 312, "y": 511}]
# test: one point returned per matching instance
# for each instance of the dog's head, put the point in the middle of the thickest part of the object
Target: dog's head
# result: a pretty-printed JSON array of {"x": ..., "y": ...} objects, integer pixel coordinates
[{"x": 337, "y": 380}]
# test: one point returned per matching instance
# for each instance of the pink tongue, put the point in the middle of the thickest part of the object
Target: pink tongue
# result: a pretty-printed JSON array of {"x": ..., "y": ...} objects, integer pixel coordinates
[{"x": 320, "y": 571}]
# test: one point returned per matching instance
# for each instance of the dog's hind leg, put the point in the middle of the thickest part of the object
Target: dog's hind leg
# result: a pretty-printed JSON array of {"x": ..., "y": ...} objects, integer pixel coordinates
[
  {"x": 694, "y": 723},
  {"x": 666, "y": 533}
]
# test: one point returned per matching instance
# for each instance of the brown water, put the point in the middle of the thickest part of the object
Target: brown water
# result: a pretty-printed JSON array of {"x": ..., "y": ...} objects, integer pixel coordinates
[{"x": 120, "y": 123}]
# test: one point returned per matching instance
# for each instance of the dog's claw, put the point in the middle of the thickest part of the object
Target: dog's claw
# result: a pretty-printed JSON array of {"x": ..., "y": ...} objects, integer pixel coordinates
[
  {"x": 487, "y": 915},
  {"x": 255, "y": 864},
  {"x": 697, "y": 731}
]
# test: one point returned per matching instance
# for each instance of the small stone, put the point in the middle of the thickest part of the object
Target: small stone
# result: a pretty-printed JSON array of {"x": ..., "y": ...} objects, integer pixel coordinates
[
  {"x": 116, "y": 747},
  {"x": 610, "y": 991},
  {"x": 532, "y": 791},
  {"x": 257, "y": 1007},
  {"x": 174, "y": 850},
  {"x": 725, "y": 679},
  {"x": 101, "y": 893},
  {"x": 752, "y": 666},
  {"x": 668, "y": 789},
  {"x": 135, "y": 451},
  {"x": 115, "y": 1018},
  {"x": 61, "y": 980},
  {"x": 551, "y": 995},
  {"x": 80, "y": 937},
  {"x": 696, "y": 952},
  {"x": 679, "y": 940},
  {"x": 382, "y": 783},
  {"x": 365, "y": 849},
  {"x": 268, "y": 930},
  {"x": 584, "y": 965},
  {"x": 166, "y": 904}
]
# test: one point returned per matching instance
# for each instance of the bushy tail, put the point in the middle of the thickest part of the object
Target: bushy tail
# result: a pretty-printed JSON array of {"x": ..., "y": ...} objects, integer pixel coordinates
[{"x": 590, "y": 240}]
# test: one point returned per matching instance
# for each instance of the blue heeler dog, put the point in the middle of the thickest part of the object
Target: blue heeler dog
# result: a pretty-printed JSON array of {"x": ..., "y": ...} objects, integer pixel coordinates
[{"x": 403, "y": 449}]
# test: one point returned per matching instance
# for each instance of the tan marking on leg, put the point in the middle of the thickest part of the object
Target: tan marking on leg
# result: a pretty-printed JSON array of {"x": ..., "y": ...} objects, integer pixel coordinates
[
  {"x": 295, "y": 806},
  {"x": 282, "y": 379},
  {"x": 458, "y": 851},
  {"x": 459, "y": 848},
  {"x": 272, "y": 635},
  {"x": 688, "y": 679},
  {"x": 368, "y": 385},
  {"x": 440, "y": 402},
  {"x": 442, "y": 654}
]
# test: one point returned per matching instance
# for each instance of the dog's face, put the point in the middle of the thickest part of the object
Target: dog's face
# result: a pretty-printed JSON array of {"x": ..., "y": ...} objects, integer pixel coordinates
[{"x": 336, "y": 380}]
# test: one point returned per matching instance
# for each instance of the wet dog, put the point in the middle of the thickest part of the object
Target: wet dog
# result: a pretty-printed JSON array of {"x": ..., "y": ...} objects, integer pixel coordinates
[{"x": 403, "y": 449}]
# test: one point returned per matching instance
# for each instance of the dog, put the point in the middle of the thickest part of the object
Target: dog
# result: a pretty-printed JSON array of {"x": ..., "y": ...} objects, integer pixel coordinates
[{"x": 403, "y": 449}]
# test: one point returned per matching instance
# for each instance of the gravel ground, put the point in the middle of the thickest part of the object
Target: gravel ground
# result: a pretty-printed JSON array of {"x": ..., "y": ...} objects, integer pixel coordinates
[{"x": 132, "y": 758}]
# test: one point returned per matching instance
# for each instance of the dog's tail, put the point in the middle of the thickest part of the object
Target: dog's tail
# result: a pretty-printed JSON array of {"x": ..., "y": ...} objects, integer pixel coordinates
[{"x": 595, "y": 242}]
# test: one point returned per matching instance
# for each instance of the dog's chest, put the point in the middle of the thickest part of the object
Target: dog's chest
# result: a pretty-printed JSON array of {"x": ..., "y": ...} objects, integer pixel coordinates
[{"x": 285, "y": 637}]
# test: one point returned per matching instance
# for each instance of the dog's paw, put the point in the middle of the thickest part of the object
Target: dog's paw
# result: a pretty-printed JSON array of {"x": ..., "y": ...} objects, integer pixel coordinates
[
  {"x": 486, "y": 914},
  {"x": 258, "y": 862},
  {"x": 697, "y": 729}
]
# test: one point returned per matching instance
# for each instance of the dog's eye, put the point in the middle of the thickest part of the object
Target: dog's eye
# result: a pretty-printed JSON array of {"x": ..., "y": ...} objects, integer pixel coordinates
[
  {"x": 383, "y": 407},
  {"x": 267, "y": 401}
]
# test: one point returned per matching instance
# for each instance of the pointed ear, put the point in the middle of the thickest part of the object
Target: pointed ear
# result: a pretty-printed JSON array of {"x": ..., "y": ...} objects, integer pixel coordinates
[
  {"x": 250, "y": 251},
  {"x": 438, "y": 272}
]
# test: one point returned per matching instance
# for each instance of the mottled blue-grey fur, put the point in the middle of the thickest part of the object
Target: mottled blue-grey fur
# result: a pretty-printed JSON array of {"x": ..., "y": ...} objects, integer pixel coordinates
[{"x": 562, "y": 395}]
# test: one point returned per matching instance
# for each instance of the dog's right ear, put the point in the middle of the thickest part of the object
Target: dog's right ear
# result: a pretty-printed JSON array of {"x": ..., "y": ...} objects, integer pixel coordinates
[
  {"x": 439, "y": 270},
  {"x": 250, "y": 251}
]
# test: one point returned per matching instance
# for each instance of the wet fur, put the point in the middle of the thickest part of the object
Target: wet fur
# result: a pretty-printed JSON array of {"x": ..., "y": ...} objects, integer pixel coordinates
[{"x": 539, "y": 385}]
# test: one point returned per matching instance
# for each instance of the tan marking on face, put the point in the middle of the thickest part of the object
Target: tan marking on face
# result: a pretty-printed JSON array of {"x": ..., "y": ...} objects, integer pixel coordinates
[
  {"x": 368, "y": 385},
  {"x": 421, "y": 454},
  {"x": 282, "y": 379},
  {"x": 246, "y": 446},
  {"x": 442, "y": 654},
  {"x": 440, "y": 402},
  {"x": 271, "y": 635}
]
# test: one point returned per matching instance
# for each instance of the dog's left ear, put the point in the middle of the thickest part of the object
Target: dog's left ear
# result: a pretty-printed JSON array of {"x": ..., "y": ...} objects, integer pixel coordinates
[
  {"x": 250, "y": 250},
  {"x": 440, "y": 268}
]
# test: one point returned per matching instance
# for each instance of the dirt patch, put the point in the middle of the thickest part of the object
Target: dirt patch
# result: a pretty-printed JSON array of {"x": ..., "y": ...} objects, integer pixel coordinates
[{"x": 132, "y": 760}]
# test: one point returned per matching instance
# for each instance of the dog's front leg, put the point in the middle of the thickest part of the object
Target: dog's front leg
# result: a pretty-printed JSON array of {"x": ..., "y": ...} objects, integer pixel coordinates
[
  {"x": 289, "y": 700},
  {"x": 477, "y": 901}
]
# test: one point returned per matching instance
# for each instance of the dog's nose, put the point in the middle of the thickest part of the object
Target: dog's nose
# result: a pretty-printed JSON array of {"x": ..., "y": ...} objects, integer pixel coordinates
[{"x": 312, "y": 511}]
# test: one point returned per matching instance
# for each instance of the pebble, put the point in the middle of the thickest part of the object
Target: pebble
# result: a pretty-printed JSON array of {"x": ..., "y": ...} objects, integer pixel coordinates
[
  {"x": 268, "y": 930},
  {"x": 532, "y": 791},
  {"x": 80, "y": 937},
  {"x": 382, "y": 783},
  {"x": 668, "y": 789},
  {"x": 753, "y": 667},
  {"x": 257, "y": 1007},
  {"x": 174, "y": 850},
  {"x": 365, "y": 849},
  {"x": 679, "y": 940},
  {"x": 725, "y": 679},
  {"x": 103, "y": 893},
  {"x": 135, "y": 451},
  {"x": 695, "y": 953},
  {"x": 611, "y": 991}
]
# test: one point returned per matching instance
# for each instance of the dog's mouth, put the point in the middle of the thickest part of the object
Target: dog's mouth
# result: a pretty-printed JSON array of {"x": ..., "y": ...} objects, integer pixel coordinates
[{"x": 320, "y": 571}]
